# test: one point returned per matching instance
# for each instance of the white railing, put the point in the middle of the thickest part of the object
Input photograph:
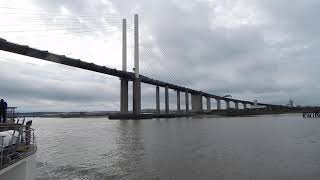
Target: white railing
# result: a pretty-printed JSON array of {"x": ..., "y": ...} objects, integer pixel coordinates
[{"x": 16, "y": 142}]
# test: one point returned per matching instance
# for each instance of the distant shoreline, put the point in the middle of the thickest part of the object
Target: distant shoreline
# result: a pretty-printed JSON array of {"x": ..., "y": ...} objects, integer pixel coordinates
[{"x": 173, "y": 114}]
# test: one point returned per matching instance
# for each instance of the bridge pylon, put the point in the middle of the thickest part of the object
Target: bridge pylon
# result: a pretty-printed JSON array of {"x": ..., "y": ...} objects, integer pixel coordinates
[
  {"x": 137, "y": 81},
  {"x": 124, "y": 82}
]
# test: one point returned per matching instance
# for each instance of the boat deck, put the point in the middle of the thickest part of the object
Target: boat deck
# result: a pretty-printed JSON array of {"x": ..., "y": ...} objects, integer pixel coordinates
[{"x": 17, "y": 142}]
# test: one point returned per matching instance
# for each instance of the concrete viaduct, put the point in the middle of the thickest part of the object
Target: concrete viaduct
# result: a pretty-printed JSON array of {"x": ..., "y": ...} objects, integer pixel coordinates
[{"x": 196, "y": 96}]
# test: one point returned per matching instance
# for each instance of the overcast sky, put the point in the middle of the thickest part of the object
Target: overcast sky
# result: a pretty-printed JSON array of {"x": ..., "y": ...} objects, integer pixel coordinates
[{"x": 251, "y": 49}]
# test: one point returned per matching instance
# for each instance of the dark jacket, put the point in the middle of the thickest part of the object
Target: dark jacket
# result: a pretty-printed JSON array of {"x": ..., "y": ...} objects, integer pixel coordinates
[{"x": 3, "y": 106}]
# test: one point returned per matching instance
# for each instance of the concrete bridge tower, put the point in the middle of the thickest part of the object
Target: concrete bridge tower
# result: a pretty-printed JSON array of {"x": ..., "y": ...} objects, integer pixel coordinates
[
  {"x": 137, "y": 81},
  {"x": 124, "y": 82}
]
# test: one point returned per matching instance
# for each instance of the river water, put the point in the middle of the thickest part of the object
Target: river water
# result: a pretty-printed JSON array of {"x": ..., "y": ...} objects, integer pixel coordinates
[{"x": 262, "y": 147}]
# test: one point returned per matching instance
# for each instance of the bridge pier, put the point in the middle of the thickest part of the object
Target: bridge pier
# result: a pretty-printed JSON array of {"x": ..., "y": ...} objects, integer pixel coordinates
[
  {"x": 236, "y": 105},
  {"x": 158, "y": 100},
  {"x": 244, "y": 105},
  {"x": 124, "y": 96},
  {"x": 187, "y": 101},
  {"x": 167, "y": 99},
  {"x": 136, "y": 96},
  {"x": 218, "y": 104},
  {"x": 227, "y": 104},
  {"x": 196, "y": 102},
  {"x": 208, "y": 104},
  {"x": 178, "y": 101}
]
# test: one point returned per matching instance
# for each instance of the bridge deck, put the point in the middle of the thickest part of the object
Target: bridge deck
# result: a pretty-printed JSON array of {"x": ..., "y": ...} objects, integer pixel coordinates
[{"x": 61, "y": 59}]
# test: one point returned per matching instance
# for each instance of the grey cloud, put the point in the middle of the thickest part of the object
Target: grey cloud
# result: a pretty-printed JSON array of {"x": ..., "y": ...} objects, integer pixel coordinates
[{"x": 53, "y": 83}]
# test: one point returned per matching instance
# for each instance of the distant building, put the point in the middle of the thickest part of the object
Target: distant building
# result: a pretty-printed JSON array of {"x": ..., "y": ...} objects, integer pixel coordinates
[{"x": 290, "y": 103}]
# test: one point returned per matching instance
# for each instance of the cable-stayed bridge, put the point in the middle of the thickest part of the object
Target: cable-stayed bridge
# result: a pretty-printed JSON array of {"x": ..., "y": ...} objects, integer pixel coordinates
[{"x": 135, "y": 77}]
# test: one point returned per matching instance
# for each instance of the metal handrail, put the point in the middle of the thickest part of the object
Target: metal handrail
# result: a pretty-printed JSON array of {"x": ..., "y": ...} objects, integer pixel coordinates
[{"x": 22, "y": 137}]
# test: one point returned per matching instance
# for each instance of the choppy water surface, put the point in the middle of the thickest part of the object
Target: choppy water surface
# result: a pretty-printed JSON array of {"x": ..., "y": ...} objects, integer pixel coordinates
[{"x": 263, "y": 147}]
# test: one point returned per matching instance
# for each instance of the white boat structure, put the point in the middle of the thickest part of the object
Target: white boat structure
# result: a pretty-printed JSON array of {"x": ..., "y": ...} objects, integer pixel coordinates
[{"x": 17, "y": 149}]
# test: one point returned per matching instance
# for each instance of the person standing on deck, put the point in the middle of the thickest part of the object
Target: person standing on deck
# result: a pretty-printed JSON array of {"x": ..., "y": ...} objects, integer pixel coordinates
[{"x": 3, "y": 111}]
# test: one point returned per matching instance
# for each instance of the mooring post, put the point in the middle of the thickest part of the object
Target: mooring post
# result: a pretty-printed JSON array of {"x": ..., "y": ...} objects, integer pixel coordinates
[
  {"x": 124, "y": 82},
  {"x": 136, "y": 81}
]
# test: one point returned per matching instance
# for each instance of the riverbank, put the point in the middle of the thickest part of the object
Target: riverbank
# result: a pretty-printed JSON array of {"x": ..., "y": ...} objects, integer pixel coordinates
[
  {"x": 225, "y": 112},
  {"x": 173, "y": 114}
]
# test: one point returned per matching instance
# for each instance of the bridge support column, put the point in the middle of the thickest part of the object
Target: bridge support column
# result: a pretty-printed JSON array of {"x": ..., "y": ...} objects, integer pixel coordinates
[
  {"x": 244, "y": 105},
  {"x": 196, "y": 102},
  {"x": 136, "y": 96},
  {"x": 236, "y": 105},
  {"x": 137, "y": 81},
  {"x": 218, "y": 104},
  {"x": 227, "y": 104},
  {"x": 158, "y": 100},
  {"x": 187, "y": 101},
  {"x": 208, "y": 104},
  {"x": 124, "y": 96},
  {"x": 124, "y": 82},
  {"x": 178, "y": 101},
  {"x": 167, "y": 99}
]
